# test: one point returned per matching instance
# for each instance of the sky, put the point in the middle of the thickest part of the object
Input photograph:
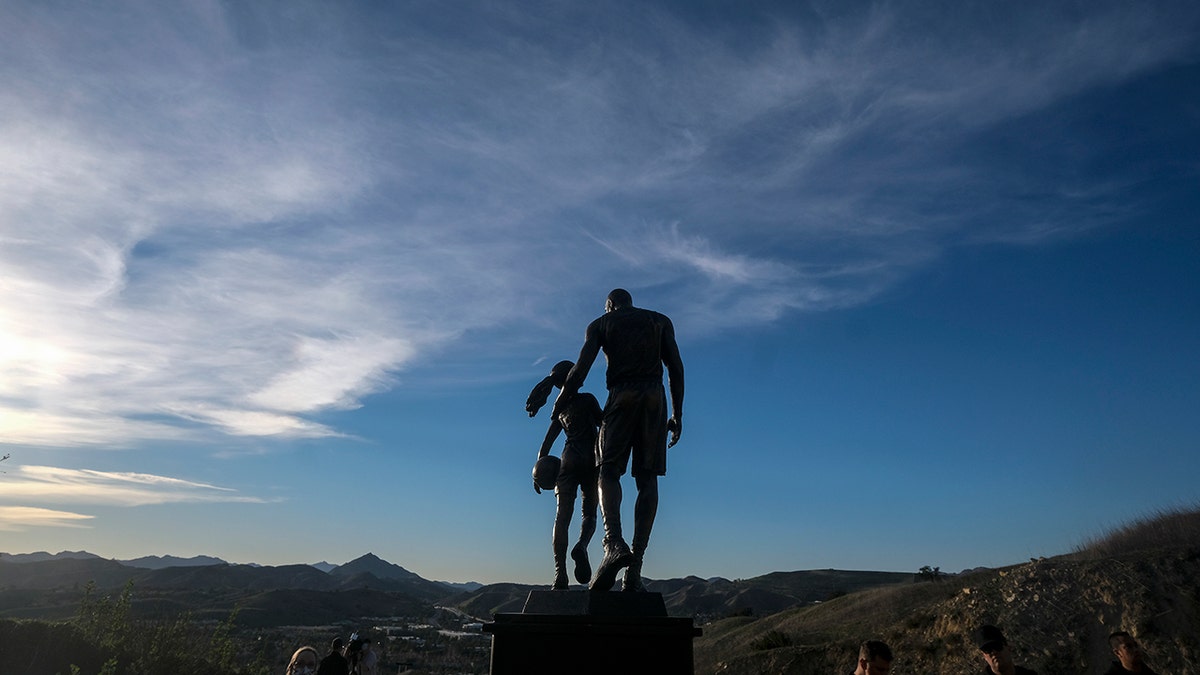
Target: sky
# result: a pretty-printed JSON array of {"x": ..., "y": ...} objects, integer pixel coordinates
[{"x": 277, "y": 277}]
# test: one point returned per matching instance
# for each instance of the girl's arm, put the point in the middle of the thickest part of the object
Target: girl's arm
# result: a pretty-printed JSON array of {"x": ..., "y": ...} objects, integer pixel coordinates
[{"x": 551, "y": 435}]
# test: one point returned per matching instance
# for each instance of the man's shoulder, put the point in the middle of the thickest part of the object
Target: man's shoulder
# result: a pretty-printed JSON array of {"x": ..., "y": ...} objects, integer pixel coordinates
[{"x": 1018, "y": 670}]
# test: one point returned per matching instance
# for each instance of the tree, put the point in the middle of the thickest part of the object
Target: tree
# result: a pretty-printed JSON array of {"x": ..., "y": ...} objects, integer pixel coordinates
[{"x": 928, "y": 573}]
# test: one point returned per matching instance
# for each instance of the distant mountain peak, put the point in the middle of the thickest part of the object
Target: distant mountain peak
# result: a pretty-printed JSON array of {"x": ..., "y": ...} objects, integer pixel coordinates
[
  {"x": 156, "y": 562},
  {"x": 374, "y": 565},
  {"x": 39, "y": 556}
]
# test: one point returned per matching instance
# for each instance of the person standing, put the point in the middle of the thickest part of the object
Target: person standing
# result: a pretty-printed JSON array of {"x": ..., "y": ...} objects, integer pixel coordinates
[
  {"x": 334, "y": 663},
  {"x": 997, "y": 653},
  {"x": 874, "y": 658},
  {"x": 637, "y": 344},
  {"x": 1130, "y": 657},
  {"x": 303, "y": 662}
]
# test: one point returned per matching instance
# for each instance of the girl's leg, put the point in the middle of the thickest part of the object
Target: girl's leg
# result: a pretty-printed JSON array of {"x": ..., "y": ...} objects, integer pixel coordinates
[
  {"x": 587, "y": 527},
  {"x": 562, "y": 523}
]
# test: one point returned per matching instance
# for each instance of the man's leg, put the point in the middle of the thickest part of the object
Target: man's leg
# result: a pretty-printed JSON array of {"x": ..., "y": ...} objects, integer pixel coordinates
[
  {"x": 644, "y": 511},
  {"x": 616, "y": 551}
]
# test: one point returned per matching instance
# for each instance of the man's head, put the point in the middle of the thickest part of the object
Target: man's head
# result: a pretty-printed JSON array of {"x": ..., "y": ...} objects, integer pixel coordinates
[
  {"x": 994, "y": 648},
  {"x": 1127, "y": 650},
  {"x": 618, "y": 298},
  {"x": 874, "y": 658},
  {"x": 337, "y": 644}
]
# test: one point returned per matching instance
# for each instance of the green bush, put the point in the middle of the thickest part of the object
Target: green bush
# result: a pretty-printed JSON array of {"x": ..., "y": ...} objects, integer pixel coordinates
[{"x": 103, "y": 639}]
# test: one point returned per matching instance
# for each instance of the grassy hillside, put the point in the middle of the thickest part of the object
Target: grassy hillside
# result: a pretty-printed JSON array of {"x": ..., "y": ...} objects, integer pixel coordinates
[{"x": 1056, "y": 612}]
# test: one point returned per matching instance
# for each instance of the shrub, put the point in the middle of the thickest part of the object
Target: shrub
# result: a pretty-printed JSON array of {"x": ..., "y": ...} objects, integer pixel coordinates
[{"x": 771, "y": 640}]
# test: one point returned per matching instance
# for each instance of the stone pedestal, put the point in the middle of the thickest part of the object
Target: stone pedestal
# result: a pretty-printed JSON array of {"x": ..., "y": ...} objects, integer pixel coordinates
[{"x": 585, "y": 633}]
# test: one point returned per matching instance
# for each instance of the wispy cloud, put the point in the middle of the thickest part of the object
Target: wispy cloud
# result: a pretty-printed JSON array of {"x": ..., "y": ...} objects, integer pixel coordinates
[
  {"x": 238, "y": 220},
  {"x": 25, "y": 518},
  {"x": 48, "y": 484}
]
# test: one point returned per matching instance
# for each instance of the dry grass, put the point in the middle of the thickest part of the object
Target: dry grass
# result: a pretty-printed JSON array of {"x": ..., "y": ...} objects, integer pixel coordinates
[{"x": 1166, "y": 528}]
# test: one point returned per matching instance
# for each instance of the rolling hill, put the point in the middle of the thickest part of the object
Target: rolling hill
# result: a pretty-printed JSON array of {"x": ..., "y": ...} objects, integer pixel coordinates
[{"x": 1056, "y": 612}]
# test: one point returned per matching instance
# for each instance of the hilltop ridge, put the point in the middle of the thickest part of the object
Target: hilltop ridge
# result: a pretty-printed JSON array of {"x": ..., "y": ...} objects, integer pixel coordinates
[{"x": 1057, "y": 613}]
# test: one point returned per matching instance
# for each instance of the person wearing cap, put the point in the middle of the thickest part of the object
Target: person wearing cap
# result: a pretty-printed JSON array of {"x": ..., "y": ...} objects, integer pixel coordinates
[
  {"x": 874, "y": 658},
  {"x": 334, "y": 663},
  {"x": 1130, "y": 658},
  {"x": 997, "y": 653}
]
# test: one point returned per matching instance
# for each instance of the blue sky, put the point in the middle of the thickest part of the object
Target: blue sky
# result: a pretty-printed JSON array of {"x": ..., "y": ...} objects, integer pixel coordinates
[{"x": 276, "y": 278}]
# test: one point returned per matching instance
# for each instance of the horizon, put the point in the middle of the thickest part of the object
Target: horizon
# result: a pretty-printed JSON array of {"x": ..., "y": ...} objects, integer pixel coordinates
[
  {"x": 446, "y": 581},
  {"x": 277, "y": 281}
]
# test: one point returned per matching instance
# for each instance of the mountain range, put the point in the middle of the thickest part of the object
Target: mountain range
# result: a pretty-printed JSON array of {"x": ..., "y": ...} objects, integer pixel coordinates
[
  {"x": 150, "y": 562},
  {"x": 1057, "y": 612},
  {"x": 41, "y": 585}
]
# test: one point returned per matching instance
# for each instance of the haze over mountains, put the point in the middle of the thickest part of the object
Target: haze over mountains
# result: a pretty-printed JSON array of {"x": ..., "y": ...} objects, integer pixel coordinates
[
  {"x": 32, "y": 567},
  {"x": 1057, "y": 611},
  {"x": 150, "y": 562},
  {"x": 275, "y": 593}
]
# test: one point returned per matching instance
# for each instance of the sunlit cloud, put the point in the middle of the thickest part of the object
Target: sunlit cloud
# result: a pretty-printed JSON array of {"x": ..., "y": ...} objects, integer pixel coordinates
[
  {"x": 58, "y": 485},
  {"x": 25, "y": 518},
  {"x": 227, "y": 231}
]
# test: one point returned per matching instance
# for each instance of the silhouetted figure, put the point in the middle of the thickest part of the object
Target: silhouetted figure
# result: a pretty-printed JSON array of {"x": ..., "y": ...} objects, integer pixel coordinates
[
  {"x": 874, "y": 658},
  {"x": 637, "y": 344},
  {"x": 1130, "y": 657},
  {"x": 997, "y": 653},
  {"x": 334, "y": 663},
  {"x": 580, "y": 419}
]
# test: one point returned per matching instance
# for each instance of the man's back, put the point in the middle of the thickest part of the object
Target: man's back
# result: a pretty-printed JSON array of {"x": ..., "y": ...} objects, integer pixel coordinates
[
  {"x": 334, "y": 664},
  {"x": 632, "y": 339}
]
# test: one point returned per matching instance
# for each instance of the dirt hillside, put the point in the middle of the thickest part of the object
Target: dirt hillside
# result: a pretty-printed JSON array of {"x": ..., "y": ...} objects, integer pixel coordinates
[{"x": 1057, "y": 613}]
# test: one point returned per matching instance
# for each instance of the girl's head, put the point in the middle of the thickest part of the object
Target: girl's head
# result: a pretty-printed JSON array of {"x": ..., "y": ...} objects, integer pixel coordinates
[
  {"x": 558, "y": 374},
  {"x": 541, "y": 390},
  {"x": 304, "y": 662}
]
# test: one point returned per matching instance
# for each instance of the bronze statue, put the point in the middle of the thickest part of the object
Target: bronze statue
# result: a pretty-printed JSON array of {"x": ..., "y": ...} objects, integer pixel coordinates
[
  {"x": 580, "y": 419},
  {"x": 637, "y": 344}
]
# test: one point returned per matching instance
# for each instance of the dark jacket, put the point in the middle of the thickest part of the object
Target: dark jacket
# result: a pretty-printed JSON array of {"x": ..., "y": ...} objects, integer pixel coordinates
[{"x": 334, "y": 664}]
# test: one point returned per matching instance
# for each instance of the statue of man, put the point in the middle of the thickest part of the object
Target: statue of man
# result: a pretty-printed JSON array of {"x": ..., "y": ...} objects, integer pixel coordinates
[{"x": 637, "y": 344}]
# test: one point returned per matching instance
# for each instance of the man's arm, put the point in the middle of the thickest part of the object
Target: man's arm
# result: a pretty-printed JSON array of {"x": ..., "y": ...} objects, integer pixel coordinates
[
  {"x": 583, "y": 364},
  {"x": 674, "y": 364}
]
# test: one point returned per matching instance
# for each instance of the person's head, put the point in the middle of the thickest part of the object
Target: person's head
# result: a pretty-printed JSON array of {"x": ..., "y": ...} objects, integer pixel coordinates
[
  {"x": 558, "y": 374},
  {"x": 336, "y": 645},
  {"x": 304, "y": 662},
  {"x": 1127, "y": 650},
  {"x": 994, "y": 648},
  {"x": 618, "y": 298},
  {"x": 874, "y": 658}
]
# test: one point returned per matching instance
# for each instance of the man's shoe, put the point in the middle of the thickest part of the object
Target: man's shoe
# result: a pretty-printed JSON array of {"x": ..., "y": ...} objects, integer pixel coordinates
[
  {"x": 615, "y": 559},
  {"x": 583, "y": 568},
  {"x": 633, "y": 579},
  {"x": 561, "y": 582}
]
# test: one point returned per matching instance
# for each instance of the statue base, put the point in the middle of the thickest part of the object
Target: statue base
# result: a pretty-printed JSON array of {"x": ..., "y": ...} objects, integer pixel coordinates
[{"x": 592, "y": 634}]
